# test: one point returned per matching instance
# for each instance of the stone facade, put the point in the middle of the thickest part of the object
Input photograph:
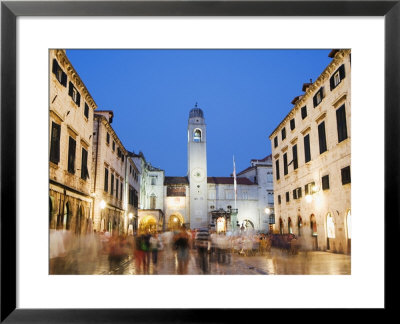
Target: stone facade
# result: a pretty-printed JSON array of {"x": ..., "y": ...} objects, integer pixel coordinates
[
  {"x": 116, "y": 183},
  {"x": 312, "y": 190},
  {"x": 151, "y": 207},
  {"x": 71, "y": 109}
]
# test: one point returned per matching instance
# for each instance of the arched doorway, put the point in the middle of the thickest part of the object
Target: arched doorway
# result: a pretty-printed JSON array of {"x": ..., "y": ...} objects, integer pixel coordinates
[
  {"x": 79, "y": 221},
  {"x": 348, "y": 223},
  {"x": 299, "y": 225},
  {"x": 314, "y": 233},
  {"x": 280, "y": 226},
  {"x": 66, "y": 220},
  {"x": 290, "y": 229},
  {"x": 148, "y": 224},
  {"x": 175, "y": 222},
  {"x": 330, "y": 231}
]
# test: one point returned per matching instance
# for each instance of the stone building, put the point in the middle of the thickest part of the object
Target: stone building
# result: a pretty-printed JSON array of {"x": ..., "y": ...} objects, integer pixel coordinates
[
  {"x": 116, "y": 180},
  {"x": 197, "y": 200},
  {"x": 71, "y": 110},
  {"x": 311, "y": 150},
  {"x": 260, "y": 172},
  {"x": 150, "y": 214}
]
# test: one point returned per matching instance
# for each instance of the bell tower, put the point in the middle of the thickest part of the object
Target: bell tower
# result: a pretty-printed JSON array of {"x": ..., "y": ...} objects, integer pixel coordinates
[{"x": 197, "y": 168}]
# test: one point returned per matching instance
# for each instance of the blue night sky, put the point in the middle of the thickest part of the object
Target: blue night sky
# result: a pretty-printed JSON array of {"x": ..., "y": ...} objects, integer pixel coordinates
[{"x": 244, "y": 95}]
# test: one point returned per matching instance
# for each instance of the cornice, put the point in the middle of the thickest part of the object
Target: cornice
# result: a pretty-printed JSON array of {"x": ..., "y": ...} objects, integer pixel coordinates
[{"x": 66, "y": 64}]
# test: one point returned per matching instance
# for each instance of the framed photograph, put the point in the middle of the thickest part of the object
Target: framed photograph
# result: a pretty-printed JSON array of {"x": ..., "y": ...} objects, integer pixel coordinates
[{"x": 47, "y": 46}]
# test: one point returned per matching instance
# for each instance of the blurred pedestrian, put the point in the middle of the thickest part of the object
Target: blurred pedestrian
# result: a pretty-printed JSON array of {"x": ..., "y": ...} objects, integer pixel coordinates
[
  {"x": 155, "y": 245},
  {"x": 202, "y": 242},
  {"x": 139, "y": 253},
  {"x": 181, "y": 245}
]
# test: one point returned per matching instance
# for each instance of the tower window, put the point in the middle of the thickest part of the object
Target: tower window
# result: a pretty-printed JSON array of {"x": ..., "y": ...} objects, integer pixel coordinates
[{"x": 197, "y": 136}]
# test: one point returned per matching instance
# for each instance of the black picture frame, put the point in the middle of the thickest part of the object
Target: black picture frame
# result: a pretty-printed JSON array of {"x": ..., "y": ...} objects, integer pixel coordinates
[{"x": 10, "y": 10}]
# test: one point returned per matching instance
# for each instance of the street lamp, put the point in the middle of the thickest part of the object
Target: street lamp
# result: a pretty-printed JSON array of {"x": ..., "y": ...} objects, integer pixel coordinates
[
  {"x": 308, "y": 198},
  {"x": 267, "y": 210}
]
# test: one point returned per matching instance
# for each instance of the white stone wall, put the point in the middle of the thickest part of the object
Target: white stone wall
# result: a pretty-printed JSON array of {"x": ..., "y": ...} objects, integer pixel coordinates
[
  {"x": 336, "y": 200},
  {"x": 197, "y": 164}
]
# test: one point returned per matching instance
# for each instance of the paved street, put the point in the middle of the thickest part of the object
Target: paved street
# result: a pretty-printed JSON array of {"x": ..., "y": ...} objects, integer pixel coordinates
[{"x": 272, "y": 263}]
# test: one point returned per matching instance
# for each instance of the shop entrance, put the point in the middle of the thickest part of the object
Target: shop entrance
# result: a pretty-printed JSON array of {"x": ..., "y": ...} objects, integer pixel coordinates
[
  {"x": 314, "y": 233},
  {"x": 175, "y": 222},
  {"x": 147, "y": 225}
]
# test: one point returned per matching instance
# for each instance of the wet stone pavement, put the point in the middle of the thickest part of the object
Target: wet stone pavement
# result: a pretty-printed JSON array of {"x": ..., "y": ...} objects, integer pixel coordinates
[{"x": 274, "y": 262}]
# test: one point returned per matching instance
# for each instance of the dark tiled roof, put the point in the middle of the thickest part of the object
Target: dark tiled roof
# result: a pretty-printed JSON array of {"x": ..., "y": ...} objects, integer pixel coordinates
[
  {"x": 229, "y": 180},
  {"x": 175, "y": 180}
]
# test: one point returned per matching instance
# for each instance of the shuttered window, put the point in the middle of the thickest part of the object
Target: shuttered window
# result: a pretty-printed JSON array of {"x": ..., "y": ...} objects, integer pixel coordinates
[
  {"x": 279, "y": 199},
  {"x": 108, "y": 138},
  {"x": 341, "y": 123},
  {"x": 74, "y": 94},
  {"x": 322, "y": 137},
  {"x": 285, "y": 166},
  {"x": 307, "y": 152},
  {"x": 294, "y": 154},
  {"x": 84, "y": 169},
  {"x": 337, "y": 77},
  {"x": 106, "y": 180},
  {"x": 308, "y": 188},
  {"x": 292, "y": 124},
  {"x": 116, "y": 188},
  {"x": 121, "y": 189},
  {"x": 112, "y": 184},
  {"x": 61, "y": 76},
  {"x": 55, "y": 143},
  {"x": 346, "y": 175},
  {"x": 303, "y": 112},
  {"x": 318, "y": 97},
  {"x": 283, "y": 133},
  {"x": 325, "y": 182},
  {"x": 297, "y": 193},
  {"x": 86, "y": 112},
  {"x": 71, "y": 155},
  {"x": 287, "y": 196},
  {"x": 277, "y": 169},
  {"x": 276, "y": 141}
]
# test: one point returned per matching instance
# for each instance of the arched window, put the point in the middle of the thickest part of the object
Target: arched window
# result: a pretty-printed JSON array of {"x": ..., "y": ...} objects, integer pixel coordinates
[
  {"x": 290, "y": 229},
  {"x": 197, "y": 135},
  {"x": 67, "y": 217},
  {"x": 299, "y": 224},
  {"x": 313, "y": 225},
  {"x": 348, "y": 221},
  {"x": 330, "y": 226}
]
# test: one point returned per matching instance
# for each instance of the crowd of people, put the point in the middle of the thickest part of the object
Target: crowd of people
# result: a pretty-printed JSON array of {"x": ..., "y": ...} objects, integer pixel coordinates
[{"x": 71, "y": 254}]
